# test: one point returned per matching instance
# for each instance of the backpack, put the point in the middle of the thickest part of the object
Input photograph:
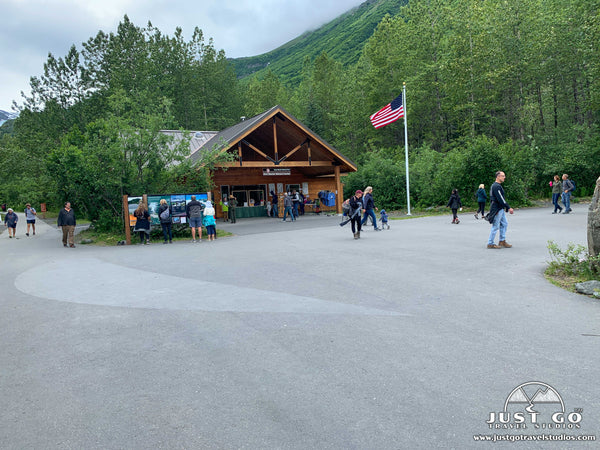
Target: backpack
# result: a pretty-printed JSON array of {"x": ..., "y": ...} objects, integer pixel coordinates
[
  {"x": 346, "y": 207},
  {"x": 165, "y": 214},
  {"x": 574, "y": 186}
]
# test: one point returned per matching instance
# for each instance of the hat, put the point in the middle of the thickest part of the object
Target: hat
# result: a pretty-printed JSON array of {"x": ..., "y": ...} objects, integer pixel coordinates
[
  {"x": 358, "y": 192},
  {"x": 10, "y": 210}
]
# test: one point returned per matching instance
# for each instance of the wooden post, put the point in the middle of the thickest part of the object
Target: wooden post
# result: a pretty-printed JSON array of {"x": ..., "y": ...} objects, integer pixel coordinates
[
  {"x": 275, "y": 140},
  {"x": 126, "y": 219},
  {"x": 240, "y": 152},
  {"x": 340, "y": 192}
]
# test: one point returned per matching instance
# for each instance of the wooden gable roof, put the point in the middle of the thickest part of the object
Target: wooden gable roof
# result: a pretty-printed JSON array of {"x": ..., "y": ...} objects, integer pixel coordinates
[{"x": 274, "y": 139}]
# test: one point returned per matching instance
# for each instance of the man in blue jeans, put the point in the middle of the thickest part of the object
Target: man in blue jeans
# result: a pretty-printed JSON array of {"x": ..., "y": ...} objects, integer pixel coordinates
[
  {"x": 497, "y": 211},
  {"x": 287, "y": 207},
  {"x": 566, "y": 195}
]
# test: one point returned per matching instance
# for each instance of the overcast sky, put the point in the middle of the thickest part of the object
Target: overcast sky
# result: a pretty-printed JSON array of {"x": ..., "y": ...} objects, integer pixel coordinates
[{"x": 31, "y": 29}]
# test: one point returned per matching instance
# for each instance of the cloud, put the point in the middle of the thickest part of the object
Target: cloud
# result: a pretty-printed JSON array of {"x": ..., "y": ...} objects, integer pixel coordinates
[{"x": 240, "y": 27}]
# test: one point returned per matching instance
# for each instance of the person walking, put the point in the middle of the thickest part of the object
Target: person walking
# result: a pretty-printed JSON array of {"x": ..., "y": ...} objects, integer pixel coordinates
[
  {"x": 369, "y": 208},
  {"x": 193, "y": 212},
  {"x": 454, "y": 204},
  {"x": 232, "y": 205},
  {"x": 142, "y": 223},
  {"x": 30, "y": 214},
  {"x": 356, "y": 207},
  {"x": 67, "y": 221},
  {"x": 557, "y": 190},
  {"x": 481, "y": 199},
  {"x": 568, "y": 187},
  {"x": 497, "y": 216},
  {"x": 209, "y": 221},
  {"x": 287, "y": 207},
  {"x": 165, "y": 216},
  {"x": 10, "y": 222}
]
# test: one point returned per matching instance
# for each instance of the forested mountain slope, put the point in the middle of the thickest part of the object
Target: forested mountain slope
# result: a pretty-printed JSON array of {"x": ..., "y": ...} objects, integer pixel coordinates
[{"x": 342, "y": 39}]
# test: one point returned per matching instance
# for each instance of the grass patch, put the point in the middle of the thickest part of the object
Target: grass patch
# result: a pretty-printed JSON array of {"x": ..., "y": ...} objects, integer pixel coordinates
[
  {"x": 571, "y": 266},
  {"x": 92, "y": 236}
]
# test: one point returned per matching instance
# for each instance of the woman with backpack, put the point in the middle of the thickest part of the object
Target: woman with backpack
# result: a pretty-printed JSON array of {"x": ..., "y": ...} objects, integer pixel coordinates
[
  {"x": 164, "y": 215},
  {"x": 356, "y": 207}
]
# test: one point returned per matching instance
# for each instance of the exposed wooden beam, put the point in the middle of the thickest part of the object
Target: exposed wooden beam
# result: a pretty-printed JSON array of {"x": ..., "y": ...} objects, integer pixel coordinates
[
  {"x": 257, "y": 150},
  {"x": 240, "y": 152},
  {"x": 282, "y": 164},
  {"x": 290, "y": 153}
]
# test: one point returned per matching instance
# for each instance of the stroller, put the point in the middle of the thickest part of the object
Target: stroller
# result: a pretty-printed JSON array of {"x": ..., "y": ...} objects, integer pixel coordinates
[{"x": 384, "y": 220}]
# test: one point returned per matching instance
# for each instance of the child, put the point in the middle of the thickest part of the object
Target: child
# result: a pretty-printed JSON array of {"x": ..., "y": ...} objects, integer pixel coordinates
[
  {"x": 384, "y": 219},
  {"x": 454, "y": 204},
  {"x": 209, "y": 221}
]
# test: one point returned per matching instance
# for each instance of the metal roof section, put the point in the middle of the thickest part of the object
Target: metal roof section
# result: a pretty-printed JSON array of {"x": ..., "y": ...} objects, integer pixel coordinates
[{"x": 199, "y": 138}]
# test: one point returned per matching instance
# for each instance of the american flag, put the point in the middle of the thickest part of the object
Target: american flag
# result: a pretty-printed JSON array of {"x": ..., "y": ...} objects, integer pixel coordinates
[{"x": 389, "y": 113}]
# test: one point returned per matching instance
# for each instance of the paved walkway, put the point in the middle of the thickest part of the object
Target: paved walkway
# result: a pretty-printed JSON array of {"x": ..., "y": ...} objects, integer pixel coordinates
[{"x": 290, "y": 335}]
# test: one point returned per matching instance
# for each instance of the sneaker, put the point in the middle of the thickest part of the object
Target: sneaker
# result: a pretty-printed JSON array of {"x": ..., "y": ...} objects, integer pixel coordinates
[
  {"x": 27, "y": 234},
  {"x": 194, "y": 241},
  {"x": 170, "y": 242},
  {"x": 476, "y": 216},
  {"x": 554, "y": 212},
  {"x": 504, "y": 244},
  {"x": 165, "y": 242},
  {"x": 72, "y": 245},
  {"x": 64, "y": 245},
  {"x": 493, "y": 246}
]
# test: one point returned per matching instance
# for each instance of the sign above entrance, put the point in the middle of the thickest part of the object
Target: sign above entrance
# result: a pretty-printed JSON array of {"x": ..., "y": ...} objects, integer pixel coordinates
[{"x": 267, "y": 172}]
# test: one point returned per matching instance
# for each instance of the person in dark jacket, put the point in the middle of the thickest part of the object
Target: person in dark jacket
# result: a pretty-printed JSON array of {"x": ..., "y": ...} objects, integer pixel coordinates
[
  {"x": 232, "y": 206},
  {"x": 142, "y": 223},
  {"x": 496, "y": 216},
  {"x": 274, "y": 206},
  {"x": 10, "y": 221},
  {"x": 454, "y": 204},
  {"x": 193, "y": 211},
  {"x": 481, "y": 199},
  {"x": 369, "y": 207},
  {"x": 67, "y": 221},
  {"x": 356, "y": 207},
  {"x": 165, "y": 216},
  {"x": 557, "y": 189}
]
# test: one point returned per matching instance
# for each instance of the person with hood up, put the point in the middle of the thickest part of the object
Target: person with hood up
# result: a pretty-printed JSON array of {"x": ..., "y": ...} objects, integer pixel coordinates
[{"x": 454, "y": 204}]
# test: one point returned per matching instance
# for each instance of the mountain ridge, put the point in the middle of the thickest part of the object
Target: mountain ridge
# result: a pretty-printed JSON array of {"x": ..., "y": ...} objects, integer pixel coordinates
[{"x": 342, "y": 39}]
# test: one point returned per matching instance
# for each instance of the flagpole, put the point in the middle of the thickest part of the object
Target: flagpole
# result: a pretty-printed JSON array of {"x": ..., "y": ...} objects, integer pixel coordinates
[{"x": 406, "y": 149}]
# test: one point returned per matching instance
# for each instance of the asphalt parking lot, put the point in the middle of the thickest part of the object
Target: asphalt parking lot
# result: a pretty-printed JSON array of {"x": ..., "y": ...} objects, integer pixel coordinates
[{"x": 294, "y": 335}]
